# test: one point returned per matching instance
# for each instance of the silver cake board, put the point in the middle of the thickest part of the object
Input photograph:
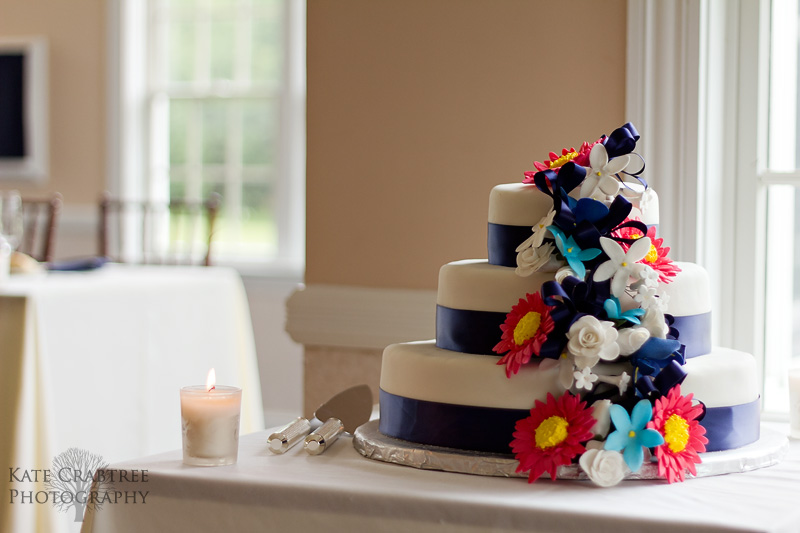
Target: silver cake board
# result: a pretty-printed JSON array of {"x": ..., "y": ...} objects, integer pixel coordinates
[{"x": 768, "y": 450}]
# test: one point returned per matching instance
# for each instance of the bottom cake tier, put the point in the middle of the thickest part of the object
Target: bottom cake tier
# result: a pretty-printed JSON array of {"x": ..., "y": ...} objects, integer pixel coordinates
[{"x": 443, "y": 398}]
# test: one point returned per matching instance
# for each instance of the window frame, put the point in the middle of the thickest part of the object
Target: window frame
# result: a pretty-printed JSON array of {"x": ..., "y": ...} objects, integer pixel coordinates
[
  {"x": 680, "y": 58},
  {"x": 132, "y": 145}
]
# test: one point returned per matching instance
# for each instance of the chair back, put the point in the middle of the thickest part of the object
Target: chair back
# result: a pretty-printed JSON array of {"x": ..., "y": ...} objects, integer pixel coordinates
[
  {"x": 176, "y": 232},
  {"x": 39, "y": 224}
]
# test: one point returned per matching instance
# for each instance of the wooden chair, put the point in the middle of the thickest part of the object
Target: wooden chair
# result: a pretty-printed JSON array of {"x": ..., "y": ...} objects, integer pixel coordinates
[
  {"x": 39, "y": 223},
  {"x": 177, "y": 232}
]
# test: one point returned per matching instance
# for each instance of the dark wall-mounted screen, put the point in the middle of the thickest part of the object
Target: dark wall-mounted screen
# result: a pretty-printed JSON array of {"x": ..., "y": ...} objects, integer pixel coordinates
[{"x": 12, "y": 87}]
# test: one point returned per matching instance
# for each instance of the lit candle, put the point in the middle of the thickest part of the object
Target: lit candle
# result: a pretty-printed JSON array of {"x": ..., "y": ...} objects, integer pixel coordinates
[{"x": 210, "y": 423}]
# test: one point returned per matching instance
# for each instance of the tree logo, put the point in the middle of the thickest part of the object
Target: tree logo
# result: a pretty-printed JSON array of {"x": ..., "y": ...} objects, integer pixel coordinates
[{"x": 72, "y": 475}]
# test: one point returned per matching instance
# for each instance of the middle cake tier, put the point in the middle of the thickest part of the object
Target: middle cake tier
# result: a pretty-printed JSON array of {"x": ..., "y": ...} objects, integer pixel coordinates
[{"x": 474, "y": 297}]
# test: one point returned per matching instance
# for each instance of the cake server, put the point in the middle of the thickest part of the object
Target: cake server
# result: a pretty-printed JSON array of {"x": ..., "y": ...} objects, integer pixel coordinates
[
  {"x": 344, "y": 412},
  {"x": 344, "y": 403}
]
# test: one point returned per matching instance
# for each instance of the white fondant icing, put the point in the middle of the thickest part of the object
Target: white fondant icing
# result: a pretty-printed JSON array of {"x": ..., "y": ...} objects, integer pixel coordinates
[
  {"x": 522, "y": 204},
  {"x": 476, "y": 285},
  {"x": 422, "y": 371},
  {"x": 722, "y": 378},
  {"x": 688, "y": 292},
  {"x": 518, "y": 204}
]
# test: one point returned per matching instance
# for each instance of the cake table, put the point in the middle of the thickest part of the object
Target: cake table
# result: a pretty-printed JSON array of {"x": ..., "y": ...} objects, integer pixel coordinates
[{"x": 342, "y": 491}]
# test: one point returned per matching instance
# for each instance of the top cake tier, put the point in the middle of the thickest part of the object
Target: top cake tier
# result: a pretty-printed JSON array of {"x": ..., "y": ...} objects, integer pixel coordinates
[{"x": 514, "y": 208}]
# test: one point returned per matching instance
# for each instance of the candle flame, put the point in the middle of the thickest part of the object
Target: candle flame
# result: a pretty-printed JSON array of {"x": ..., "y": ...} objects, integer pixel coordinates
[{"x": 211, "y": 380}]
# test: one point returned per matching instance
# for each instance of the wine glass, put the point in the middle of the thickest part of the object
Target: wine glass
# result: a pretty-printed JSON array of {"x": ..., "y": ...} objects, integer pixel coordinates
[{"x": 11, "y": 219}]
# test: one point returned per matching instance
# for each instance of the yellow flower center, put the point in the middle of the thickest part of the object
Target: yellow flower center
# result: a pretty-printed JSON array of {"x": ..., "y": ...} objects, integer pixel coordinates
[
  {"x": 566, "y": 158},
  {"x": 599, "y": 173},
  {"x": 569, "y": 250},
  {"x": 551, "y": 432},
  {"x": 652, "y": 255},
  {"x": 631, "y": 434},
  {"x": 624, "y": 264},
  {"x": 676, "y": 433},
  {"x": 527, "y": 327}
]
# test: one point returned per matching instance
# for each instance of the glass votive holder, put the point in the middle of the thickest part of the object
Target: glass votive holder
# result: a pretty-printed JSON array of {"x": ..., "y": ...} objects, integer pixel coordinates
[
  {"x": 794, "y": 403},
  {"x": 210, "y": 425}
]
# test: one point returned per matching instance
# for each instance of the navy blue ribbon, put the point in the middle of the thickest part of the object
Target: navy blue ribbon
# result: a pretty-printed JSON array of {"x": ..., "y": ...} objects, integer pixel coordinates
[
  {"x": 502, "y": 243},
  {"x": 732, "y": 427},
  {"x": 464, "y": 427},
  {"x": 621, "y": 141},
  {"x": 695, "y": 333},
  {"x": 488, "y": 429},
  {"x": 468, "y": 331}
]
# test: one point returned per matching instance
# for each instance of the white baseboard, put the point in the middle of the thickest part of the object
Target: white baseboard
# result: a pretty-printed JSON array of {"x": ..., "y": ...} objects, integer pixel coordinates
[{"x": 359, "y": 317}]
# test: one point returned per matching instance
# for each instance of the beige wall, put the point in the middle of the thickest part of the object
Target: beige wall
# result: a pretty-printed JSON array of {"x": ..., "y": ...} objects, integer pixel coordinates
[
  {"x": 416, "y": 108},
  {"x": 76, "y": 35}
]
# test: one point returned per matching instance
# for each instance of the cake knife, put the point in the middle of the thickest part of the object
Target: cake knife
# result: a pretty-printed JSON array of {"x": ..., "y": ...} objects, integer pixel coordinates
[
  {"x": 352, "y": 400},
  {"x": 344, "y": 412}
]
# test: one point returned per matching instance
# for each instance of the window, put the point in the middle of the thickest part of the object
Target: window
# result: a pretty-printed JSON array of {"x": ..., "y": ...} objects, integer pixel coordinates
[
  {"x": 715, "y": 83},
  {"x": 780, "y": 178},
  {"x": 215, "y": 103}
]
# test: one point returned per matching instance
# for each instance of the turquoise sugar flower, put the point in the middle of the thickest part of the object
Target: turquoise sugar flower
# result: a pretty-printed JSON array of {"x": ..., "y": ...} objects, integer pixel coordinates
[
  {"x": 572, "y": 252},
  {"x": 615, "y": 312},
  {"x": 631, "y": 434}
]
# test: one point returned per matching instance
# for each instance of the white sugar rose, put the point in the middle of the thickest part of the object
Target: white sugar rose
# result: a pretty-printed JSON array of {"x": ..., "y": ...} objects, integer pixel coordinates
[
  {"x": 605, "y": 468},
  {"x": 531, "y": 260},
  {"x": 631, "y": 339},
  {"x": 591, "y": 339}
]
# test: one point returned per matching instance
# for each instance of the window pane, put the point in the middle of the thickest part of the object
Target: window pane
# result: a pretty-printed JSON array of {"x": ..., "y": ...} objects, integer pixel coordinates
[
  {"x": 222, "y": 48},
  {"x": 259, "y": 129},
  {"x": 783, "y": 106},
  {"x": 267, "y": 40},
  {"x": 178, "y": 126},
  {"x": 215, "y": 114},
  {"x": 782, "y": 314},
  {"x": 181, "y": 44}
]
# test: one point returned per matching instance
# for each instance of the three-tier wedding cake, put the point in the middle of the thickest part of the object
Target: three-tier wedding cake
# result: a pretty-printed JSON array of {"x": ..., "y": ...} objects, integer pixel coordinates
[{"x": 578, "y": 341}]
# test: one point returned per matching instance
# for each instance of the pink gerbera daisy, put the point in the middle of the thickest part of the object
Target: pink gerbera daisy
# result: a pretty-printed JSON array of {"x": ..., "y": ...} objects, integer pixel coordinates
[
  {"x": 524, "y": 331},
  {"x": 675, "y": 418},
  {"x": 579, "y": 157},
  {"x": 552, "y": 435},
  {"x": 656, "y": 257}
]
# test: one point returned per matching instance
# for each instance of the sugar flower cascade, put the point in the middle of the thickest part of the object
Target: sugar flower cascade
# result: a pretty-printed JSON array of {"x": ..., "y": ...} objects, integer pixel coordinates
[{"x": 602, "y": 325}]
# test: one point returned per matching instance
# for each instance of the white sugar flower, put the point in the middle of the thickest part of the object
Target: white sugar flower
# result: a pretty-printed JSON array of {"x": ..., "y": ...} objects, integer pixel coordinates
[
  {"x": 631, "y": 339},
  {"x": 564, "y": 272},
  {"x": 621, "y": 265},
  {"x": 532, "y": 260},
  {"x": 584, "y": 379},
  {"x": 600, "y": 412},
  {"x": 653, "y": 320},
  {"x": 566, "y": 367},
  {"x": 591, "y": 340},
  {"x": 605, "y": 468},
  {"x": 600, "y": 182},
  {"x": 539, "y": 232},
  {"x": 648, "y": 201},
  {"x": 645, "y": 296},
  {"x": 648, "y": 276},
  {"x": 621, "y": 382},
  {"x": 663, "y": 302}
]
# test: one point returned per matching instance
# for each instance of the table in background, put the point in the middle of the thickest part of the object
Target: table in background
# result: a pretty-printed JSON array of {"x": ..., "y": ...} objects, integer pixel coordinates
[
  {"x": 94, "y": 360},
  {"x": 342, "y": 491}
]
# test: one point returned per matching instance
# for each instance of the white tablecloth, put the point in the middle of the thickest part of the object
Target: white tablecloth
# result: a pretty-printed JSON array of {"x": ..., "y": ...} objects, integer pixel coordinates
[
  {"x": 342, "y": 491},
  {"x": 95, "y": 360}
]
